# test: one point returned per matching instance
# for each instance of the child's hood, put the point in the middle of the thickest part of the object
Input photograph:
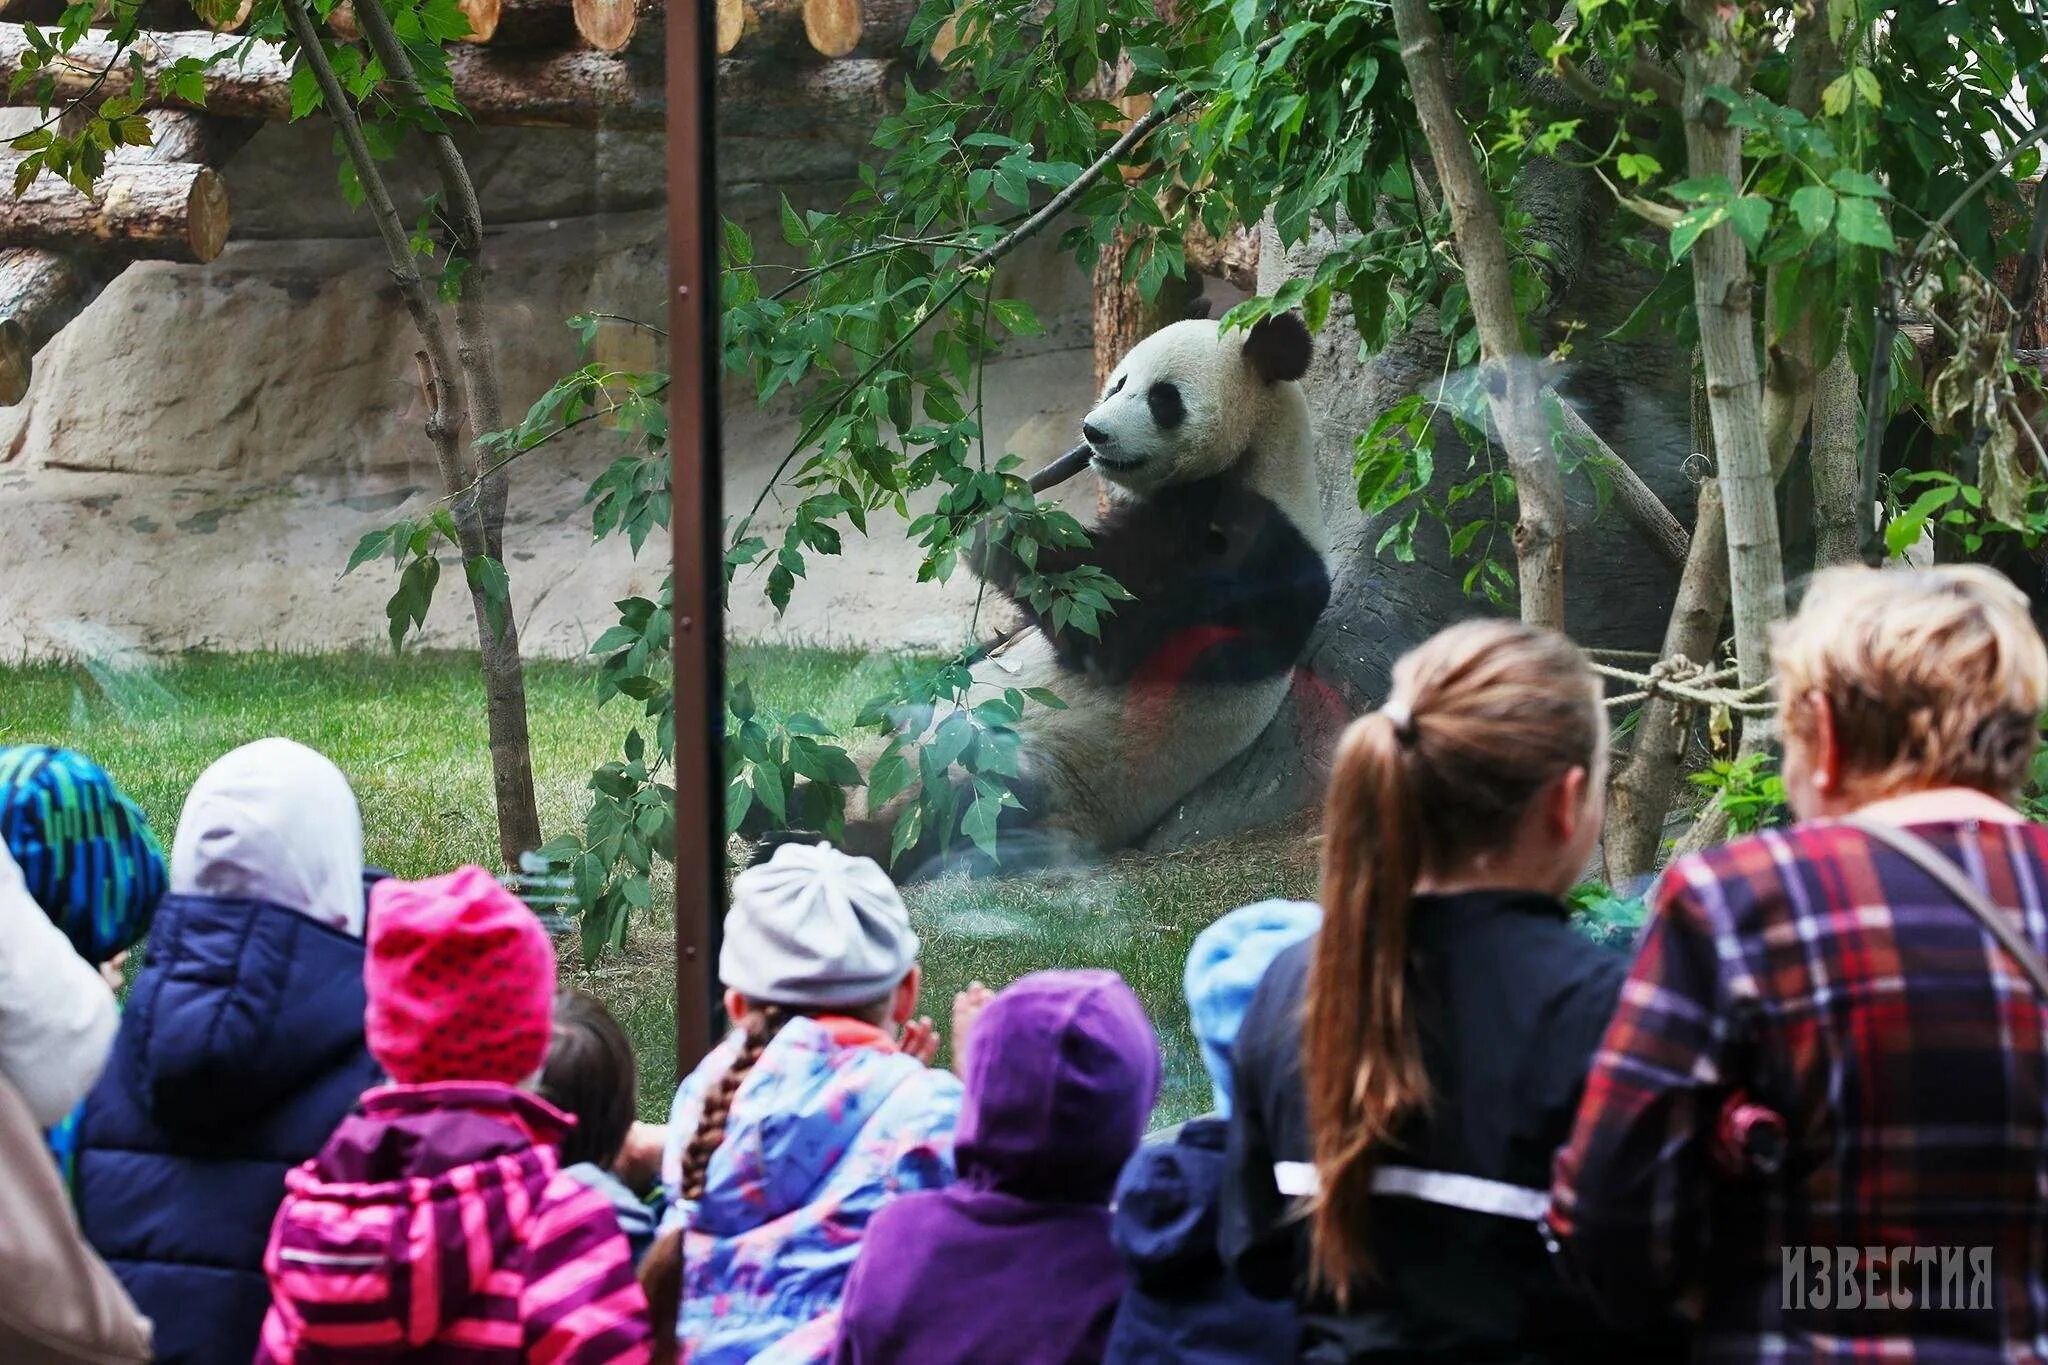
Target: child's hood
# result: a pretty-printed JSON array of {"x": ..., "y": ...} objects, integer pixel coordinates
[
  {"x": 809, "y": 1103},
  {"x": 1167, "y": 1207},
  {"x": 419, "y": 1199},
  {"x": 1063, "y": 1069},
  {"x": 240, "y": 1005}
]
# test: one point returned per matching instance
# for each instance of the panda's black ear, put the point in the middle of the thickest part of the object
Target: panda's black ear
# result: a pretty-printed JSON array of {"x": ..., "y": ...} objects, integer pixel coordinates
[{"x": 1278, "y": 347}]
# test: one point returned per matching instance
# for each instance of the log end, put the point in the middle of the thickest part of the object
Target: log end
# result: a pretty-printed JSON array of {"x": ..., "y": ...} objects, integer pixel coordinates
[
  {"x": 206, "y": 215},
  {"x": 17, "y": 362},
  {"x": 832, "y": 26},
  {"x": 483, "y": 16},
  {"x": 606, "y": 25},
  {"x": 732, "y": 24}
]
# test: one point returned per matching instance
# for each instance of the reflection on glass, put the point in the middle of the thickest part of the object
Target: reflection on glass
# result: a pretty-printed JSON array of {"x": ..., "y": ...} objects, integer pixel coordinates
[{"x": 331, "y": 423}]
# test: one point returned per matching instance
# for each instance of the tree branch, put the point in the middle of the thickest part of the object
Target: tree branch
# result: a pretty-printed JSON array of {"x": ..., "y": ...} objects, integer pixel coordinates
[
  {"x": 1514, "y": 387},
  {"x": 1643, "y": 508},
  {"x": 476, "y": 352}
]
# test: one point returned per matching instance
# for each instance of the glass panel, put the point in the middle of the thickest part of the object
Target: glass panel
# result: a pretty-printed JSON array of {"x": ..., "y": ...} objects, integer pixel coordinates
[
  {"x": 244, "y": 493},
  {"x": 1083, "y": 743}
]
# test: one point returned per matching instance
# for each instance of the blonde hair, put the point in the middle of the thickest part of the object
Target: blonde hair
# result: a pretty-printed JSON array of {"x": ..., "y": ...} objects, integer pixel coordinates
[
  {"x": 1933, "y": 677},
  {"x": 1480, "y": 719}
]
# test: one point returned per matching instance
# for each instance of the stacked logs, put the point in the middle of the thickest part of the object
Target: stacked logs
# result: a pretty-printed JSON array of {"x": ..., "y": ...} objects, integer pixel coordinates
[{"x": 582, "y": 64}]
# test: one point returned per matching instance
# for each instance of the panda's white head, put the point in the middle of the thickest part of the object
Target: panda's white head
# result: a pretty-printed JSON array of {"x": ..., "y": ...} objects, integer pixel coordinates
[{"x": 1187, "y": 401}]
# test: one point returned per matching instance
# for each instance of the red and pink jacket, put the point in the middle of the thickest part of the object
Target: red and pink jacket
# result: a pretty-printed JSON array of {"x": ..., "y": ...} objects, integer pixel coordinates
[{"x": 436, "y": 1226}]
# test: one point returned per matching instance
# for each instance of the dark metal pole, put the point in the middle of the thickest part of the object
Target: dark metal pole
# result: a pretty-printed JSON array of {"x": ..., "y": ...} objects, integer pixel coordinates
[{"x": 694, "y": 475}]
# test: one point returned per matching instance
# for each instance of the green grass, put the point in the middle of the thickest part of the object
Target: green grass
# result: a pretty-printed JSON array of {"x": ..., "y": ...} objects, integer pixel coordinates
[{"x": 409, "y": 732}]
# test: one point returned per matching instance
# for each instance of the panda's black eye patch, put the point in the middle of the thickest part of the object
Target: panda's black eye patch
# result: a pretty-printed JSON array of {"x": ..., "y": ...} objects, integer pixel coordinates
[
  {"x": 1115, "y": 389},
  {"x": 1167, "y": 408}
]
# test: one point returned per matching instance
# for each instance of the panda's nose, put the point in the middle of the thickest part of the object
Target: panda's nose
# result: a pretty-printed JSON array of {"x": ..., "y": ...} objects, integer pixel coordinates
[{"x": 1093, "y": 434}]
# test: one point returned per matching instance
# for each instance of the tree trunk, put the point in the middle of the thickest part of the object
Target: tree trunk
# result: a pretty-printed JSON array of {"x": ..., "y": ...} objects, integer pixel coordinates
[
  {"x": 1721, "y": 294},
  {"x": 1838, "y": 515},
  {"x": 481, "y": 506},
  {"x": 145, "y": 210},
  {"x": 1233, "y": 257},
  {"x": 1123, "y": 318},
  {"x": 541, "y": 90},
  {"x": 1641, "y": 792},
  {"x": 1514, "y": 386}
]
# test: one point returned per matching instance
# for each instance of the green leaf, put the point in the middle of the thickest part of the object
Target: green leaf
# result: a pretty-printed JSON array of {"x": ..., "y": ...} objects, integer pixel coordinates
[
  {"x": 305, "y": 89},
  {"x": 1702, "y": 189},
  {"x": 887, "y": 779},
  {"x": 793, "y": 230},
  {"x": 368, "y": 548},
  {"x": 979, "y": 824},
  {"x": 1814, "y": 208},
  {"x": 1858, "y": 184},
  {"x": 1860, "y": 222},
  {"x": 1867, "y": 88},
  {"x": 487, "y": 576},
  {"x": 768, "y": 788},
  {"x": 1751, "y": 216},
  {"x": 1692, "y": 224},
  {"x": 909, "y": 826},
  {"x": 1905, "y": 528},
  {"x": 1640, "y": 167},
  {"x": 739, "y": 798},
  {"x": 1834, "y": 101}
]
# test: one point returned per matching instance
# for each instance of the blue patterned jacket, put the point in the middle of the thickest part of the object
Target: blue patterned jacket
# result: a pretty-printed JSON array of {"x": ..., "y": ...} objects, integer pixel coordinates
[{"x": 826, "y": 1129}]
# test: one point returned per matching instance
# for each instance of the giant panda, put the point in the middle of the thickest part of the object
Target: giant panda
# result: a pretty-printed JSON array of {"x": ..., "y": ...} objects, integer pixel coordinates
[{"x": 1215, "y": 526}]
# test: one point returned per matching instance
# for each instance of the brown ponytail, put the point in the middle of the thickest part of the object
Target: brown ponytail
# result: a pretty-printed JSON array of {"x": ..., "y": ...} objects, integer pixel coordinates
[{"x": 1481, "y": 717}]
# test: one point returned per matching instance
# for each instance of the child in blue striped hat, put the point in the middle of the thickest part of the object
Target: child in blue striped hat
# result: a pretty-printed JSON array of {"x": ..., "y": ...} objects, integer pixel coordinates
[{"x": 85, "y": 850}]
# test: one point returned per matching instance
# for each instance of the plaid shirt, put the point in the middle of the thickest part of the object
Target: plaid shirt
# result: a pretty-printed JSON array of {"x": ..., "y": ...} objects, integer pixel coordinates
[{"x": 1833, "y": 981}]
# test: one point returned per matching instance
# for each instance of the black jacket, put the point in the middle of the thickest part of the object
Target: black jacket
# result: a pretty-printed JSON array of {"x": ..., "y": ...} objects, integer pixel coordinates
[{"x": 1510, "y": 1003}]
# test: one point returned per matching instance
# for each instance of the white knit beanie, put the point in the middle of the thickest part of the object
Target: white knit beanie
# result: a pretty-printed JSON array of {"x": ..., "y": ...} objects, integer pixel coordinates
[{"x": 814, "y": 928}]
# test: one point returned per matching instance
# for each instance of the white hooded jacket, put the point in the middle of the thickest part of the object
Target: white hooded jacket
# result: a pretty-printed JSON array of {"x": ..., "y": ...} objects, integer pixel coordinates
[
  {"x": 274, "y": 821},
  {"x": 57, "y": 1016}
]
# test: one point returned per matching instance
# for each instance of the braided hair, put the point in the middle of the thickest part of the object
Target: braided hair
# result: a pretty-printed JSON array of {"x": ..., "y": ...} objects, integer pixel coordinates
[{"x": 757, "y": 1030}]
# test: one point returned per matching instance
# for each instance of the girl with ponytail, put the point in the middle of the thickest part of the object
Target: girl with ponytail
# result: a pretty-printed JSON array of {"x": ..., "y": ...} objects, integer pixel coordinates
[{"x": 1405, "y": 1076}]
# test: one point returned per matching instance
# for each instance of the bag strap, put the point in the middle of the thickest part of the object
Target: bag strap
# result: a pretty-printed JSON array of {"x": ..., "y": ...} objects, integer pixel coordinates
[{"x": 1957, "y": 883}]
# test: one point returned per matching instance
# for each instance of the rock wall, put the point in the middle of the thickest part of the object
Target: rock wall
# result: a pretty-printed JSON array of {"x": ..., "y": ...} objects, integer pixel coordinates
[{"x": 203, "y": 447}]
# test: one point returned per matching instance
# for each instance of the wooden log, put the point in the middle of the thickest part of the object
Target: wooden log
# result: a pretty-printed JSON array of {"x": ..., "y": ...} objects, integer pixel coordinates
[
  {"x": 218, "y": 16},
  {"x": 525, "y": 23},
  {"x": 542, "y": 90},
  {"x": 484, "y": 16},
  {"x": 42, "y": 290},
  {"x": 732, "y": 18},
  {"x": 611, "y": 25},
  {"x": 144, "y": 210},
  {"x": 805, "y": 30}
]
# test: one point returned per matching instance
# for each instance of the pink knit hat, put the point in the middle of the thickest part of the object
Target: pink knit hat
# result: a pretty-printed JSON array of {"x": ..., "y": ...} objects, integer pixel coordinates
[{"x": 461, "y": 980}]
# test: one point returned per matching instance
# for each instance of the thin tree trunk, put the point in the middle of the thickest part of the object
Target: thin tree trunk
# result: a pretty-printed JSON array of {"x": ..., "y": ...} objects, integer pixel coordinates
[
  {"x": 1514, "y": 385},
  {"x": 504, "y": 682},
  {"x": 1721, "y": 292},
  {"x": 1837, "y": 478},
  {"x": 1642, "y": 790}
]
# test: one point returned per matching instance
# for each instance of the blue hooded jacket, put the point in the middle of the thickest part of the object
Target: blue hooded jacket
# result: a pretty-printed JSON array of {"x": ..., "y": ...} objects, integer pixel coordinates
[{"x": 240, "y": 1050}]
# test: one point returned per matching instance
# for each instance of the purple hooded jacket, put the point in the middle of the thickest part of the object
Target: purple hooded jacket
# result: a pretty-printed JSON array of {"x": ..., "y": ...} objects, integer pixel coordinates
[{"x": 1013, "y": 1262}]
